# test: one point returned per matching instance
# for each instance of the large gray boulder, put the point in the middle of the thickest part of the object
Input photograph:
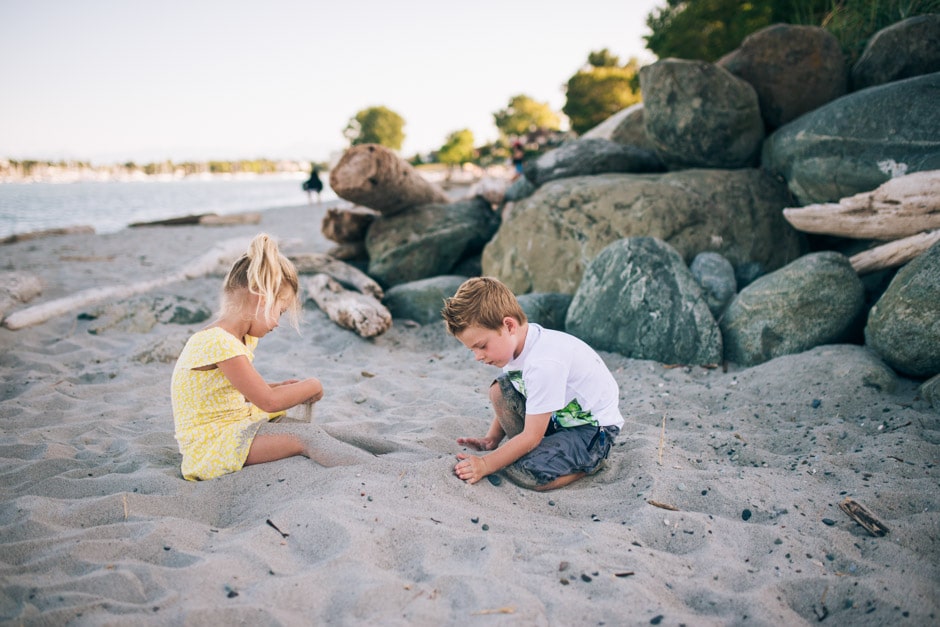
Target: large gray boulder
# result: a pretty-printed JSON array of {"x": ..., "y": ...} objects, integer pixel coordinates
[
  {"x": 793, "y": 69},
  {"x": 582, "y": 157},
  {"x": 810, "y": 302},
  {"x": 421, "y": 301},
  {"x": 548, "y": 239},
  {"x": 856, "y": 143},
  {"x": 546, "y": 309},
  {"x": 904, "y": 325},
  {"x": 908, "y": 48},
  {"x": 698, "y": 115},
  {"x": 639, "y": 299},
  {"x": 624, "y": 127},
  {"x": 428, "y": 240}
]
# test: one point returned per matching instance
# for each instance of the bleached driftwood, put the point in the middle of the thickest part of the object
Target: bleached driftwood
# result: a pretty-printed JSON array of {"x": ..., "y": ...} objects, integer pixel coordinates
[
  {"x": 17, "y": 288},
  {"x": 69, "y": 230},
  {"x": 898, "y": 208},
  {"x": 347, "y": 224},
  {"x": 221, "y": 255},
  {"x": 318, "y": 263},
  {"x": 376, "y": 177},
  {"x": 361, "y": 313},
  {"x": 894, "y": 253},
  {"x": 348, "y": 251},
  {"x": 206, "y": 219}
]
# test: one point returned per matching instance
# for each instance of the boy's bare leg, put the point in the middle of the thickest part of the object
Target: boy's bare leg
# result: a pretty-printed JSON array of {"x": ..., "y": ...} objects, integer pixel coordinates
[{"x": 510, "y": 419}]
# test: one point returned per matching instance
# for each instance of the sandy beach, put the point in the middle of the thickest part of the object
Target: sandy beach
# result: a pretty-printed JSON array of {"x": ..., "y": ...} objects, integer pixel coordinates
[{"x": 719, "y": 504}]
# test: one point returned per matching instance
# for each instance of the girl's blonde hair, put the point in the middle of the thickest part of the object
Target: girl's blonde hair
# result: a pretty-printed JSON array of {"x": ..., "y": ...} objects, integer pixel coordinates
[
  {"x": 481, "y": 302},
  {"x": 264, "y": 272}
]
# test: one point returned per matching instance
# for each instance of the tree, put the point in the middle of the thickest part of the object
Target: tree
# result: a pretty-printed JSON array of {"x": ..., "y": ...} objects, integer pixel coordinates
[
  {"x": 457, "y": 149},
  {"x": 376, "y": 125},
  {"x": 523, "y": 114},
  {"x": 600, "y": 89}
]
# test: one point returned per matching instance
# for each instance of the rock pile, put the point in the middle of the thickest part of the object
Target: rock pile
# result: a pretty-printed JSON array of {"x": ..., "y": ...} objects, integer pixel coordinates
[{"x": 599, "y": 235}]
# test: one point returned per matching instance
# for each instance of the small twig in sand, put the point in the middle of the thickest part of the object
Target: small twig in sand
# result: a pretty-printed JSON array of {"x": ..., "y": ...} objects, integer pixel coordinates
[
  {"x": 498, "y": 610},
  {"x": 124, "y": 501},
  {"x": 858, "y": 513},
  {"x": 662, "y": 440},
  {"x": 671, "y": 508},
  {"x": 273, "y": 526}
]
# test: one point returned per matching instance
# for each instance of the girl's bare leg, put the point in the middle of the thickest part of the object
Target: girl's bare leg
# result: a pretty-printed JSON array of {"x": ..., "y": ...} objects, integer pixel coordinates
[{"x": 267, "y": 448}]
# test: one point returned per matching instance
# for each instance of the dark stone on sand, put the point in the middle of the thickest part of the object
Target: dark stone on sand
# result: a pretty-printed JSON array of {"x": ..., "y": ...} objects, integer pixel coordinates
[{"x": 421, "y": 301}]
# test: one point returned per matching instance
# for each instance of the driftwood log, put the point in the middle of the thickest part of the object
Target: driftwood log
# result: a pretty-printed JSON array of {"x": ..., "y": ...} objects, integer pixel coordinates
[
  {"x": 206, "y": 219},
  {"x": 374, "y": 176},
  {"x": 894, "y": 253},
  {"x": 898, "y": 208},
  {"x": 317, "y": 263},
  {"x": 347, "y": 224},
  {"x": 357, "y": 312},
  {"x": 218, "y": 258},
  {"x": 17, "y": 288},
  {"x": 25, "y": 237}
]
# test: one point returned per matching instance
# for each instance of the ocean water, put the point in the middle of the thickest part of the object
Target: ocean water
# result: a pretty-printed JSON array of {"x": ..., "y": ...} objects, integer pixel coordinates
[{"x": 111, "y": 206}]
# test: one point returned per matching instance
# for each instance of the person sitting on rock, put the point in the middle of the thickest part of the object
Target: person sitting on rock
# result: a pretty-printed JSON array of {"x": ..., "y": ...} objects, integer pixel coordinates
[{"x": 556, "y": 400}]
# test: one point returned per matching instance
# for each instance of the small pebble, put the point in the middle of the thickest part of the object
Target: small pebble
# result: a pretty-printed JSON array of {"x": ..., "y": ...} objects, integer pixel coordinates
[
  {"x": 485, "y": 527},
  {"x": 474, "y": 520},
  {"x": 816, "y": 403},
  {"x": 494, "y": 479},
  {"x": 746, "y": 514},
  {"x": 585, "y": 578},
  {"x": 828, "y": 521},
  {"x": 656, "y": 620},
  {"x": 551, "y": 503}
]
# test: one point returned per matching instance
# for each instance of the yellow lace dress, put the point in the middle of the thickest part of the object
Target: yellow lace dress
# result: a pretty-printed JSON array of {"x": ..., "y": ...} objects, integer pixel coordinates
[{"x": 214, "y": 423}]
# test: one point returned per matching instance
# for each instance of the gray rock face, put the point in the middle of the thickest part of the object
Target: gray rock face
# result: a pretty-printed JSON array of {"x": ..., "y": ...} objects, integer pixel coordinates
[
  {"x": 428, "y": 240},
  {"x": 591, "y": 156},
  {"x": 715, "y": 275},
  {"x": 904, "y": 325},
  {"x": 548, "y": 310},
  {"x": 930, "y": 391},
  {"x": 698, "y": 115},
  {"x": 639, "y": 299},
  {"x": 810, "y": 302},
  {"x": 793, "y": 69},
  {"x": 624, "y": 127},
  {"x": 856, "y": 143},
  {"x": 908, "y": 48},
  {"x": 422, "y": 301},
  {"x": 547, "y": 241},
  {"x": 520, "y": 188}
]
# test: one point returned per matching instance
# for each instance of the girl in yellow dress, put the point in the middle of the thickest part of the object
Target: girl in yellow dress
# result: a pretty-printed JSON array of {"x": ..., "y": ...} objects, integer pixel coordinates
[{"x": 219, "y": 399}]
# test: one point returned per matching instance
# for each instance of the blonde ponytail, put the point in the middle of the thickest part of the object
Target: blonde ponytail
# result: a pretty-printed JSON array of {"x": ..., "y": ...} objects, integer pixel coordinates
[{"x": 264, "y": 272}]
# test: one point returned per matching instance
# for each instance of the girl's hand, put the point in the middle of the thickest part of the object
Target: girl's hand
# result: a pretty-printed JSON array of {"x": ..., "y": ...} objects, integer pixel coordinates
[{"x": 470, "y": 468}]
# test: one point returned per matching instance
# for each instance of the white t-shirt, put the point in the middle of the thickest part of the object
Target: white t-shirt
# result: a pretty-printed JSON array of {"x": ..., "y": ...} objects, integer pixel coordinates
[{"x": 550, "y": 358}]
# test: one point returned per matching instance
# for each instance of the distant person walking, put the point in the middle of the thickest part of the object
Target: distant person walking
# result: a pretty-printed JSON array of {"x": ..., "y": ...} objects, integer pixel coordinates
[{"x": 313, "y": 184}]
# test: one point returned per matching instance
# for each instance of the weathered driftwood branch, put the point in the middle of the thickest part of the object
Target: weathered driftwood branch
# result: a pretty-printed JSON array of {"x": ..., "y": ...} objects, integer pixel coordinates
[
  {"x": 900, "y": 207},
  {"x": 17, "y": 288},
  {"x": 347, "y": 224},
  {"x": 317, "y": 263},
  {"x": 857, "y": 512},
  {"x": 894, "y": 253},
  {"x": 220, "y": 256},
  {"x": 206, "y": 219},
  {"x": 24, "y": 237},
  {"x": 361, "y": 313},
  {"x": 376, "y": 177}
]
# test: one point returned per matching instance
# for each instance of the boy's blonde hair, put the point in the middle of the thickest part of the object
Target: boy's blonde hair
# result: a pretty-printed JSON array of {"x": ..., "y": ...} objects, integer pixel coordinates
[
  {"x": 265, "y": 272},
  {"x": 481, "y": 302}
]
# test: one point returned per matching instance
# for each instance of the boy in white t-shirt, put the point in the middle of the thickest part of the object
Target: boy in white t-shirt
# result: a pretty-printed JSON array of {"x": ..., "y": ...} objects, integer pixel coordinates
[{"x": 556, "y": 400}]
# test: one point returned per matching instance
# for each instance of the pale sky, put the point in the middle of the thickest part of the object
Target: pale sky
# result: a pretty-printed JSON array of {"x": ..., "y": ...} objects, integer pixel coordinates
[{"x": 116, "y": 80}]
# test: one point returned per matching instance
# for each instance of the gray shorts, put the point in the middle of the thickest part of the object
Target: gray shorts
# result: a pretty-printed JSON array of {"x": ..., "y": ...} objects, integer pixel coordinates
[{"x": 562, "y": 451}]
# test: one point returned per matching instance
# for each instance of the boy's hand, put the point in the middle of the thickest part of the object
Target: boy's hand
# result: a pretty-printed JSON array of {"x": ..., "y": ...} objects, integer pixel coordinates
[
  {"x": 470, "y": 468},
  {"x": 478, "y": 444}
]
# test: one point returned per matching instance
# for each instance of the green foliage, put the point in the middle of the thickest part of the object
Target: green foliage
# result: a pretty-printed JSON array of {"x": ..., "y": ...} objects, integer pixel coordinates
[
  {"x": 708, "y": 29},
  {"x": 523, "y": 114},
  {"x": 603, "y": 58},
  {"x": 458, "y": 148},
  {"x": 376, "y": 125},
  {"x": 596, "y": 92}
]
